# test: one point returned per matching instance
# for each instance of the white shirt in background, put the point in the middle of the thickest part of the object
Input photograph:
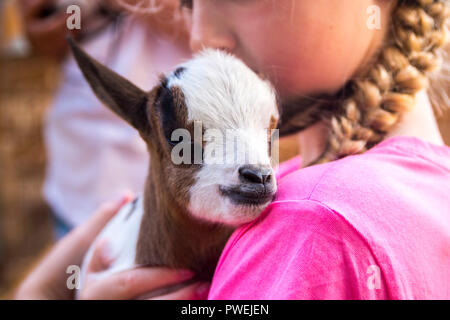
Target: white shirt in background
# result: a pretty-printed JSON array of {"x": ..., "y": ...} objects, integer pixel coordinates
[{"x": 93, "y": 155}]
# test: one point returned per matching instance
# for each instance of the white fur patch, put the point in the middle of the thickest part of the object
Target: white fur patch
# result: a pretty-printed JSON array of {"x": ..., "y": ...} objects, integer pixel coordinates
[
  {"x": 223, "y": 93},
  {"x": 121, "y": 234}
]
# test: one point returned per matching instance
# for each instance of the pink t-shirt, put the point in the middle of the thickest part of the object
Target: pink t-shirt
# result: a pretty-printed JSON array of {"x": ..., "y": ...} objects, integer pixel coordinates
[{"x": 370, "y": 226}]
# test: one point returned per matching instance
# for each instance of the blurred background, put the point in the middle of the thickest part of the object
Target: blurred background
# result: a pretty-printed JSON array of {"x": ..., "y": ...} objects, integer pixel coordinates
[{"x": 28, "y": 83}]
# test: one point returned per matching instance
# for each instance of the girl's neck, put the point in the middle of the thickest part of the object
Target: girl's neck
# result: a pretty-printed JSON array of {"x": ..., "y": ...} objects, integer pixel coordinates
[{"x": 420, "y": 122}]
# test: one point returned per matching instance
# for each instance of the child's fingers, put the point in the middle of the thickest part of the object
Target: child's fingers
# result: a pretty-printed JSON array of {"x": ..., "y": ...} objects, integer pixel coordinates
[
  {"x": 196, "y": 291},
  {"x": 101, "y": 257},
  {"x": 131, "y": 283},
  {"x": 72, "y": 248},
  {"x": 95, "y": 224},
  {"x": 50, "y": 274}
]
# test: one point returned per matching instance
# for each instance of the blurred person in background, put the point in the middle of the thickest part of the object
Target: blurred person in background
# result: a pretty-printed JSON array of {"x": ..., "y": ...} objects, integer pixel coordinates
[{"x": 92, "y": 155}]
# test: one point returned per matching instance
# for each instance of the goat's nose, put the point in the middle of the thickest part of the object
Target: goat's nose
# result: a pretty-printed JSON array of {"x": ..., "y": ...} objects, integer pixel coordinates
[{"x": 255, "y": 175}]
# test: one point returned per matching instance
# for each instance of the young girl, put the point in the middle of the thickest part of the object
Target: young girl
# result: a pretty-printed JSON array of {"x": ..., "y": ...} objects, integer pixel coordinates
[
  {"x": 364, "y": 211},
  {"x": 374, "y": 225}
]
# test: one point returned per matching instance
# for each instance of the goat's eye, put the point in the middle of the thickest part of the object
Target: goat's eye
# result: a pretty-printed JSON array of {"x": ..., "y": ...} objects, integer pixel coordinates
[
  {"x": 174, "y": 143},
  {"x": 177, "y": 136},
  {"x": 269, "y": 140}
]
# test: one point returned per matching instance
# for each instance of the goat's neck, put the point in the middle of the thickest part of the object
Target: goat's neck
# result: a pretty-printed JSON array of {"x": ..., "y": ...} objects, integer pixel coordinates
[{"x": 169, "y": 236}]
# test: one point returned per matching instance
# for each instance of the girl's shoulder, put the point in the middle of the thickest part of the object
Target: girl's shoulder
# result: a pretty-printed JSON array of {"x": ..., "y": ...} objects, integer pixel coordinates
[
  {"x": 371, "y": 226},
  {"x": 388, "y": 170}
]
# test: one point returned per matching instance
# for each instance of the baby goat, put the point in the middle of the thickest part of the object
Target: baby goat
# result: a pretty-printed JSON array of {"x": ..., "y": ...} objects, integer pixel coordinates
[{"x": 188, "y": 210}]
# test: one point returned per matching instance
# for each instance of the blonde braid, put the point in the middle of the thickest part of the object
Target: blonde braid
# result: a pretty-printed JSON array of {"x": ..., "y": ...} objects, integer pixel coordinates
[{"x": 419, "y": 29}]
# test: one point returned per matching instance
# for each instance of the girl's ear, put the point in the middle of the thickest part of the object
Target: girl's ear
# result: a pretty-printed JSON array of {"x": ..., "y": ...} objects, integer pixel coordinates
[{"x": 116, "y": 92}]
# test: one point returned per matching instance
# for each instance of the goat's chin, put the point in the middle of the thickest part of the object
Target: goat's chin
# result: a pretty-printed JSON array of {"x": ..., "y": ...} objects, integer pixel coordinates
[
  {"x": 230, "y": 214},
  {"x": 243, "y": 214}
]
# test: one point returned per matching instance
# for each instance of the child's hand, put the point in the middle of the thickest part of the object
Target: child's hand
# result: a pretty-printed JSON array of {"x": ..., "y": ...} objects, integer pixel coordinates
[
  {"x": 49, "y": 279},
  {"x": 135, "y": 283}
]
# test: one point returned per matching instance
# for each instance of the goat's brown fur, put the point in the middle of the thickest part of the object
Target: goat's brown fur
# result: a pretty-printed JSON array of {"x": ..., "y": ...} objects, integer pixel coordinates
[{"x": 169, "y": 236}]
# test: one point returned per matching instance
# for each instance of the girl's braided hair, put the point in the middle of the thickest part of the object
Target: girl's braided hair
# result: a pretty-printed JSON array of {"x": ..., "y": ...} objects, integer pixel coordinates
[{"x": 375, "y": 103}]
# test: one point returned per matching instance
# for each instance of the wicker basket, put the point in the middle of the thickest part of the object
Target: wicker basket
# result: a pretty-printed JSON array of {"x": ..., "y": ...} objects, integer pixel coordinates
[{"x": 26, "y": 87}]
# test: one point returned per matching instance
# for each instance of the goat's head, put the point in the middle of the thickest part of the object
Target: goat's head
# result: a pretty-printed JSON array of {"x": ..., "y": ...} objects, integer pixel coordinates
[{"x": 208, "y": 128}]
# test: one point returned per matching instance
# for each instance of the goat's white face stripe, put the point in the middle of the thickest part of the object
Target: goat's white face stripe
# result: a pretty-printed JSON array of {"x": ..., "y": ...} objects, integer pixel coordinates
[{"x": 224, "y": 94}]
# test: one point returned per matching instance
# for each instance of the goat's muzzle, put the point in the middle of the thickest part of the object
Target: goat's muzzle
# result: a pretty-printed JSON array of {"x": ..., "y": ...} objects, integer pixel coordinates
[{"x": 256, "y": 186}]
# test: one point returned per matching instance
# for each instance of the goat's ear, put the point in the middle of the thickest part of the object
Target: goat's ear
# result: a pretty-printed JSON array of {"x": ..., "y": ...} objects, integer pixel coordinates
[{"x": 116, "y": 92}]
